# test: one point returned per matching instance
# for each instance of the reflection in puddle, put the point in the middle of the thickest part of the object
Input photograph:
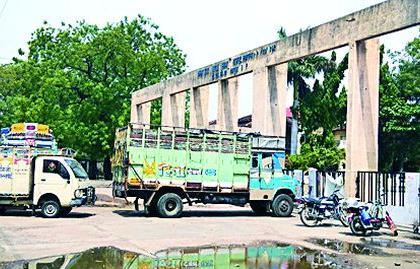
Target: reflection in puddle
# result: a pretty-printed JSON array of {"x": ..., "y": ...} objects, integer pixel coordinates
[
  {"x": 271, "y": 255},
  {"x": 366, "y": 247},
  {"x": 346, "y": 247}
]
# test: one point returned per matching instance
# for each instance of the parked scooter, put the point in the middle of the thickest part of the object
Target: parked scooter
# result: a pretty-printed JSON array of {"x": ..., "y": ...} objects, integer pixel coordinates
[
  {"x": 313, "y": 211},
  {"x": 369, "y": 217}
]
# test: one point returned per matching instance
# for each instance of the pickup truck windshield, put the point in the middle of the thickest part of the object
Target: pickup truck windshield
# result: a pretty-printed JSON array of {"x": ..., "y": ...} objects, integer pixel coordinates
[{"x": 77, "y": 169}]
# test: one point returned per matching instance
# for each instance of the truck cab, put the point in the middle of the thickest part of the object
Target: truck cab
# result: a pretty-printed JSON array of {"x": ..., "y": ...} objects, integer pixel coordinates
[
  {"x": 60, "y": 183},
  {"x": 269, "y": 187}
]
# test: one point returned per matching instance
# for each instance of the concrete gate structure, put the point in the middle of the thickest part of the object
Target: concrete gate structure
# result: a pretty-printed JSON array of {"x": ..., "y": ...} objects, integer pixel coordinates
[{"x": 268, "y": 65}]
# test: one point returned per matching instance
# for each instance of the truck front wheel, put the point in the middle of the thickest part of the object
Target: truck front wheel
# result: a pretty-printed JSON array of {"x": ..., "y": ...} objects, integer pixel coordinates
[
  {"x": 50, "y": 209},
  {"x": 169, "y": 205},
  {"x": 282, "y": 205}
]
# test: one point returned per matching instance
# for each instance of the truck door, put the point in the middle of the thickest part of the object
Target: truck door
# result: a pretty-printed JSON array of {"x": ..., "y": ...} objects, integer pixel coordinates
[
  {"x": 52, "y": 176},
  {"x": 266, "y": 175}
]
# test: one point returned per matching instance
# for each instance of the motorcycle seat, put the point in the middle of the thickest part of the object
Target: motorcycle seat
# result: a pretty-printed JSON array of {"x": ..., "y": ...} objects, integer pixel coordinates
[
  {"x": 313, "y": 200},
  {"x": 326, "y": 202}
]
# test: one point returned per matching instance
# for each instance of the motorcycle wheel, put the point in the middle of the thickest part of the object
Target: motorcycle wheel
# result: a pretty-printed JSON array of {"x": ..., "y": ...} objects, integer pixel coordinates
[
  {"x": 342, "y": 217},
  {"x": 305, "y": 217},
  {"x": 356, "y": 226}
]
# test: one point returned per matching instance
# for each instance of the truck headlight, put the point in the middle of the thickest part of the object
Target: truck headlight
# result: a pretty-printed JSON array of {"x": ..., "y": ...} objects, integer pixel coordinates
[{"x": 78, "y": 193}]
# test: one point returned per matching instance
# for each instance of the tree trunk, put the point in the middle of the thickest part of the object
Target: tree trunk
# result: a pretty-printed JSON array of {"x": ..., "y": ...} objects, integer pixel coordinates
[
  {"x": 92, "y": 169},
  {"x": 107, "y": 168}
]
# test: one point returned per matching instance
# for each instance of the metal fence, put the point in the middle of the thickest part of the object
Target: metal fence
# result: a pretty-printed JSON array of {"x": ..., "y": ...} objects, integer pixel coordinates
[
  {"x": 321, "y": 181},
  {"x": 388, "y": 187},
  {"x": 314, "y": 183}
]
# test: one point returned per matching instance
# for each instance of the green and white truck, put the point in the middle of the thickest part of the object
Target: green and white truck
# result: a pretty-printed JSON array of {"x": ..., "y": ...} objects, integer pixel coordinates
[{"x": 170, "y": 167}]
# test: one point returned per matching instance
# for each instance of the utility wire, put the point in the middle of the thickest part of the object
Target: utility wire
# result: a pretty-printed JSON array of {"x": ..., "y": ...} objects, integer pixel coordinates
[{"x": 3, "y": 8}]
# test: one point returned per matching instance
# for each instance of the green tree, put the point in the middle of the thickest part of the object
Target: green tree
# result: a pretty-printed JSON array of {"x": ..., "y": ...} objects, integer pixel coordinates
[
  {"x": 79, "y": 78},
  {"x": 399, "y": 114},
  {"x": 319, "y": 109},
  {"x": 318, "y": 152},
  {"x": 323, "y": 108}
]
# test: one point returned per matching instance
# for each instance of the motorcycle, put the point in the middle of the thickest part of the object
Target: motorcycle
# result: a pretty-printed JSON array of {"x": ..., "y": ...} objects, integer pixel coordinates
[
  {"x": 369, "y": 217},
  {"x": 313, "y": 211}
]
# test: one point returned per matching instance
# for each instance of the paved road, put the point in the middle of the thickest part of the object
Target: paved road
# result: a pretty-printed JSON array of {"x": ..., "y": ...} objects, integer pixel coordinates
[{"x": 23, "y": 236}]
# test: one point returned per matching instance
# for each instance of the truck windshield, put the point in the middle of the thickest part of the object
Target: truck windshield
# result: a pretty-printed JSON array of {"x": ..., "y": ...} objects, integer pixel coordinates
[{"x": 77, "y": 169}]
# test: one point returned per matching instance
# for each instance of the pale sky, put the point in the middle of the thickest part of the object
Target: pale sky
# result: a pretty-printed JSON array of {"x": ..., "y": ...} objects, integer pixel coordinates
[{"x": 207, "y": 31}]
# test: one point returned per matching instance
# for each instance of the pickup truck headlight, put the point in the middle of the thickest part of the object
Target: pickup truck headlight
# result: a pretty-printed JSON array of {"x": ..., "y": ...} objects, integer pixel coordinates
[{"x": 78, "y": 193}]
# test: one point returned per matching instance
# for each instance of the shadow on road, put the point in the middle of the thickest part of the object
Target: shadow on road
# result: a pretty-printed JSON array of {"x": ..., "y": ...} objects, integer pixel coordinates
[
  {"x": 193, "y": 213},
  {"x": 326, "y": 225},
  {"x": 78, "y": 215},
  {"x": 22, "y": 213},
  {"x": 368, "y": 234}
]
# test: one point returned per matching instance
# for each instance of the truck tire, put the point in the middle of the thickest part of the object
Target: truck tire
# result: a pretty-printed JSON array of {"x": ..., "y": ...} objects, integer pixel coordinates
[
  {"x": 64, "y": 211},
  {"x": 260, "y": 208},
  {"x": 50, "y": 209},
  {"x": 282, "y": 205},
  {"x": 169, "y": 205},
  {"x": 2, "y": 210}
]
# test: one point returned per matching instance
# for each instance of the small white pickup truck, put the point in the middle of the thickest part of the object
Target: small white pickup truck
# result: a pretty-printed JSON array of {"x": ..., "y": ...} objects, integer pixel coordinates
[{"x": 53, "y": 183}]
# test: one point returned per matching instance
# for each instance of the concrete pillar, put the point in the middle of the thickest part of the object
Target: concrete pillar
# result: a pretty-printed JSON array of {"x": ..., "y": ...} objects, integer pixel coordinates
[
  {"x": 140, "y": 113},
  {"x": 227, "y": 110},
  {"x": 133, "y": 112},
  {"x": 143, "y": 112},
  {"x": 269, "y": 100},
  {"x": 173, "y": 110},
  {"x": 362, "y": 111},
  {"x": 199, "y": 107}
]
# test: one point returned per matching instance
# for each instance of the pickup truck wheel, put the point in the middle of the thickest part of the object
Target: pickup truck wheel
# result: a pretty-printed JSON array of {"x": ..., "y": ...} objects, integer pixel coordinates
[
  {"x": 282, "y": 205},
  {"x": 169, "y": 205},
  {"x": 2, "y": 210},
  {"x": 260, "y": 208},
  {"x": 50, "y": 209},
  {"x": 64, "y": 211}
]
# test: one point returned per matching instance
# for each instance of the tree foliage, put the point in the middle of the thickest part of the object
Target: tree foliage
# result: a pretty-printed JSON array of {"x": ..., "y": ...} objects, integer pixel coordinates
[
  {"x": 318, "y": 152},
  {"x": 79, "y": 78},
  {"x": 323, "y": 107},
  {"x": 399, "y": 115},
  {"x": 320, "y": 108}
]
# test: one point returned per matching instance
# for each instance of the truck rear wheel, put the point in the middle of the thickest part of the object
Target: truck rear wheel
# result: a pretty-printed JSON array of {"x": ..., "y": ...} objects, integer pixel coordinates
[
  {"x": 50, "y": 209},
  {"x": 169, "y": 205},
  {"x": 260, "y": 208},
  {"x": 282, "y": 205},
  {"x": 2, "y": 210}
]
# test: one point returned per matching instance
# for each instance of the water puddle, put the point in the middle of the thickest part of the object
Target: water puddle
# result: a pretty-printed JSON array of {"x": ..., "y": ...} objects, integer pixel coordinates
[
  {"x": 367, "y": 246},
  {"x": 266, "y": 255},
  {"x": 346, "y": 247},
  {"x": 389, "y": 243}
]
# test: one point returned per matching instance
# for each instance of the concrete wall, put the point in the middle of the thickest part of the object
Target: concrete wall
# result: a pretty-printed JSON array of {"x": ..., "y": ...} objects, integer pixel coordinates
[{"x": 409, "y": 213}]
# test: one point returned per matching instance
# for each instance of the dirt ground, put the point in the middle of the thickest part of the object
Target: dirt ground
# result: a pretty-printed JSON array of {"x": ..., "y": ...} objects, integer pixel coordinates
[{"x": 111, "y": 223}]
